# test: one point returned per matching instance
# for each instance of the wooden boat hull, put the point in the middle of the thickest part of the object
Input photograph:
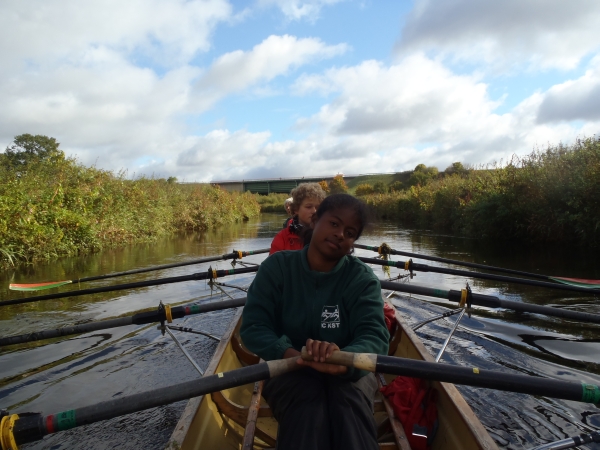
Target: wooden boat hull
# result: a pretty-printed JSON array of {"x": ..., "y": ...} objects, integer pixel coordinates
[{"x": 217, "y": 421}]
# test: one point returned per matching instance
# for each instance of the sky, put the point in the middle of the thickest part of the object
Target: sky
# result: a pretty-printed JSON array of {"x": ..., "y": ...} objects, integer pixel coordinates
[{"x": 226, "y": 90}]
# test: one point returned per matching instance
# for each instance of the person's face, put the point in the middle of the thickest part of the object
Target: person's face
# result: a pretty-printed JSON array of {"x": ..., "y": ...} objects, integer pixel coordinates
[
  {"x": 307, "y": 209},
  {"x": 335, "y": 232}
]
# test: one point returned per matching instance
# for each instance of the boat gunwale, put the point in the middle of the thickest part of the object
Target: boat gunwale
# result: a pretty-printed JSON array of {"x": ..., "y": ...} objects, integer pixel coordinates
[{"x": 189, "y": 413}]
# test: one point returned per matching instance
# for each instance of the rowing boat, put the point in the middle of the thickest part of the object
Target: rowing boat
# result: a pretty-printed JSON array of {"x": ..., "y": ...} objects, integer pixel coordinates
[{"x": 239, "y": 419}]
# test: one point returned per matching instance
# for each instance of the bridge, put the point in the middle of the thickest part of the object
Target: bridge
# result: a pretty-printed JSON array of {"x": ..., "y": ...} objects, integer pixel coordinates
[{"x": 272, "y": 185}]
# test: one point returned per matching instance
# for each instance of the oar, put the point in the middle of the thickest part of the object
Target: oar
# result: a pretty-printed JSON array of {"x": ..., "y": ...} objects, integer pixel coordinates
[
  {"x": 469, "y": 376},
  {"x": 164, "y": 313},
  {"x": 489, "y": 301},
  {"x": 571, "y": 442},
  {"x": 579, "y": 282},
  {"x": 19, "y": 429},
  {"x": 409, "y": 265},
  {"x": 211, "y": 274},
  {"x": 236, "y": 254}
]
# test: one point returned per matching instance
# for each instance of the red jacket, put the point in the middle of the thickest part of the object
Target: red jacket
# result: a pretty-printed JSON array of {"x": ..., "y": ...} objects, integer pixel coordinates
[{"x": 286, "y": 240}]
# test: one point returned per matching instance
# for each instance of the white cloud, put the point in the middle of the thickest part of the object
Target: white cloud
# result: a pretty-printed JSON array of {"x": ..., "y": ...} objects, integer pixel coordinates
[
  {"x": 574, "y": 99},
  {"x": 538, "y": 33},
  {"x": 417, "y": 111},
  {"x": 299, "y": 9},
  {"x": 105, "y": 108},
  {"x": 170, "y": 32},
  {"x": 87, "y": 76},
  {"x": 221, "y": 150},
  {"x": 275, "y": 56},
  {"x": 418, "y": 97}
]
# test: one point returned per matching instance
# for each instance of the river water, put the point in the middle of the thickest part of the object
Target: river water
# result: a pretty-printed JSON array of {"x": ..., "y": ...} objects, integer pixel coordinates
[{"x": 62, "y": 374}]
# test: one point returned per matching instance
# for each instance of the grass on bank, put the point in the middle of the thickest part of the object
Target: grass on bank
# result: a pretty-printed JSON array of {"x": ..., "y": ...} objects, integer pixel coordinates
[
  {"x": 551, "y": 195},
  {"x": 272, "y": 202},
  {"x": 57, "y": 207}
]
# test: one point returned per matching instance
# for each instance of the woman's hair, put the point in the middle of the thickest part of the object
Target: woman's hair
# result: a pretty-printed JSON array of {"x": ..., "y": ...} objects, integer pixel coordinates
[
  {"x": 304, "y": 191},
  {"x": 341, "y": 201}
]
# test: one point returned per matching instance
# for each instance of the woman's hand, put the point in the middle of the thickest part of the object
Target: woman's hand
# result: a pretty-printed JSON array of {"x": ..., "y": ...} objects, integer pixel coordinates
[{"x": 320, "y": 350}]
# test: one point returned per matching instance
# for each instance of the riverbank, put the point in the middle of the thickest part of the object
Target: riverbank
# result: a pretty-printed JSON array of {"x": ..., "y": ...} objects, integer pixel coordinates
[
  {"x": 57, "y": 207},
  {"x": 547, "y": 196}
]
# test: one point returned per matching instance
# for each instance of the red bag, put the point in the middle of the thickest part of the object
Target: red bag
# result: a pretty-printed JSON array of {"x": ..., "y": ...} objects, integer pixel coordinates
[
  {"x": 389, "y": 314},
  {"x": 415, "y": 406}
]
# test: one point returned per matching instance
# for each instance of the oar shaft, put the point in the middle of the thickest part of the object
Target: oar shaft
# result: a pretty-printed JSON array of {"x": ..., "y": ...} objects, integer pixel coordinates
[
  {"x": 469, "y": 376},
  {"x": 491, "y": 301},
  {"x": 119, "y": 287},
  {"x": 137, "y": 319},
  {"x": 484, "y": 276},
  {"x": 33, "y": 428},
  {"x": 232, "y": 255},
  {"x": 454, "y": 261}
]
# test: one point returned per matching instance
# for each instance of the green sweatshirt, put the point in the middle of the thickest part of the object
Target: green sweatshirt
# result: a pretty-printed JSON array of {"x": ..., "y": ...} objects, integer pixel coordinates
[{"x": 289, "y": 303}]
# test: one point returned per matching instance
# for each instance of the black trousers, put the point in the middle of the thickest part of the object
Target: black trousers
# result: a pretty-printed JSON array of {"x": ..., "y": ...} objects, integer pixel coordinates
[{"x": 321, "y": 412}]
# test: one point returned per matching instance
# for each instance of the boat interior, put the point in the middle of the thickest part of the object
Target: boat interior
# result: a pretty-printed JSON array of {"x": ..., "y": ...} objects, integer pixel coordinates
[{"x": 240, "y": 418}]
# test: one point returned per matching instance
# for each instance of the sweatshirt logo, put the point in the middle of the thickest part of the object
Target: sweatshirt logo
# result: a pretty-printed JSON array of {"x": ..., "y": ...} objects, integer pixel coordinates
[{"x": 330, "y": 317}]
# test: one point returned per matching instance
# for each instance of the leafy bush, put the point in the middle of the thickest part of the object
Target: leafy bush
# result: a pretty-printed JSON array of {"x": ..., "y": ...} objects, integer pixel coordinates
[
  {"x": 422, "y": 175},
  {"x": 364, "y": 189},
  {"x": 380, "y": 187},
  {"x": 272, "y": 202},
  {"x": 396, "y": 186},
  {"x": 324, "y": 185},
  {"x": 338, "y": 185},
  {"x": 456, "y": 168}
]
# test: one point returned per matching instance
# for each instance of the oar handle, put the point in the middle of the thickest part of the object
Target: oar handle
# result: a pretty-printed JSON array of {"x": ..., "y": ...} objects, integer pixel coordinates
[{"x": 364, "y": 361}]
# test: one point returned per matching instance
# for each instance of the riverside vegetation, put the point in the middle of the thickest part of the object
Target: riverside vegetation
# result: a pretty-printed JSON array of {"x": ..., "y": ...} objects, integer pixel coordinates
[
  {"x": 551, "y": 195},
  {"x": 53, "y": 206}
]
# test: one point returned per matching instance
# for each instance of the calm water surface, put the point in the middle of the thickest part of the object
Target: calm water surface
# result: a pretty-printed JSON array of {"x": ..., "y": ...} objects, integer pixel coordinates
[{"x": 62, "y": 374}]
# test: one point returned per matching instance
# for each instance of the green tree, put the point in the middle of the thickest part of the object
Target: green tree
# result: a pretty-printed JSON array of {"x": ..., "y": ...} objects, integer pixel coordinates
[
  {"x": 379, "y": 187},
  {"x": 364, "y": 189},
  {"x": 338, "y": 185},
  {"x": 27, "y": 149},
  {"x": 172, "y": 180},
  {"x": 456, "y": 168},
  {"x": 422, "y": 175},
  {"x": 396, "y": 186}
]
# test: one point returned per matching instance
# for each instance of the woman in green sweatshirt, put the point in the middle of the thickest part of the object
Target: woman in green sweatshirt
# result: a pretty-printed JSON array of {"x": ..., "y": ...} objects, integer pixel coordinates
[{"x": 325, "y": 299}]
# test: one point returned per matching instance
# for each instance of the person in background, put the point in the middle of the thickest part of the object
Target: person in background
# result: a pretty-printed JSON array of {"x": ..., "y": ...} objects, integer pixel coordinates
[
  {"x": 306, "y": 200},
  {"x": 328, "y": 300},
  {"x": 287, "y": 205}
]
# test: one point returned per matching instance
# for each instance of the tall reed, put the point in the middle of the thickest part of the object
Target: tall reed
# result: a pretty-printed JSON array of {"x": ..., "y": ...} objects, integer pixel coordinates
[
  {"x": 551, "y": 195},
  {"x": 63, "y": 208}
]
